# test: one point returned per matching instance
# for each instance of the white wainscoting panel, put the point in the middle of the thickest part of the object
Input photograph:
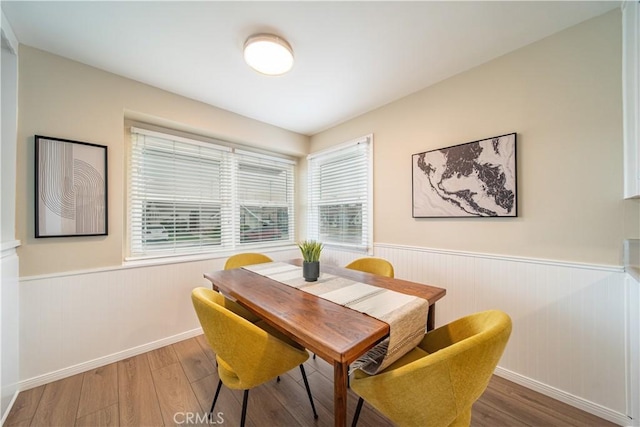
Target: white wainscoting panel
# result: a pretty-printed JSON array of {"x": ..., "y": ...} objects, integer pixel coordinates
[
  {"x": 73, "y": 322},
  {"x": 633, "y": 348},
  {"x": 568, "y": 338},
  {"x": 9, "y": 357},
  {"x": 570, "y": 321}
]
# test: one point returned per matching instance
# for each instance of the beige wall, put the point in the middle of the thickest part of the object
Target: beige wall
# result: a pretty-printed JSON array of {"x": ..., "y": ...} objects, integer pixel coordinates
[
  {"x": 562, "y": 96},
  {"x": 66, "y": 99}
]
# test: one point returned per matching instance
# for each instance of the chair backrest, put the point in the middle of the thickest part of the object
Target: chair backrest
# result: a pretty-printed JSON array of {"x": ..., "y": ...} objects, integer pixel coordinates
[
  {"x": 378, "y": 266},
  {"x": 240, "y": 260},
  {"x": 252, "y": 353},
  {"x": 473, "y": 346},
  {"x": 439, "y": 388}
]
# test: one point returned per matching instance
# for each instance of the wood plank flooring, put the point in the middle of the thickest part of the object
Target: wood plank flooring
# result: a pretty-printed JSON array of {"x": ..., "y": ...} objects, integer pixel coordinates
[{"x": 174, "y": 385}]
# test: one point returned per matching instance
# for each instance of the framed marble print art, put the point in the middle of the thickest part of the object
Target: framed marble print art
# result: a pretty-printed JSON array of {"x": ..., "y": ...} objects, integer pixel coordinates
[{"x": 474, "y": 179}]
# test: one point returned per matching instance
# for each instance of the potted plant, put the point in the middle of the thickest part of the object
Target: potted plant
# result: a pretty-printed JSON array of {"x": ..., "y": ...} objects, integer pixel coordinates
[{"x": 311, "y": 259}]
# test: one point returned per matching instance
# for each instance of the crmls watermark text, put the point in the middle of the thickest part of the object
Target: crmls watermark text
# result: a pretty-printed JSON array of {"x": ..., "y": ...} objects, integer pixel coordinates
[{"x": 189, "y": 418}]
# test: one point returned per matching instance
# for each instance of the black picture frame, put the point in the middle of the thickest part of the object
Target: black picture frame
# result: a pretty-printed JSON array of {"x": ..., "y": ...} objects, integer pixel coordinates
[
  {"x": 70, "y": 188},
  {"x": 474, "y": 179}
]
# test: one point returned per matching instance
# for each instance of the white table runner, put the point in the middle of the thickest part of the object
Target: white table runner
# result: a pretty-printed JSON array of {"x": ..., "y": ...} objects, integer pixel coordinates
[{"x": 406, "y": 315}]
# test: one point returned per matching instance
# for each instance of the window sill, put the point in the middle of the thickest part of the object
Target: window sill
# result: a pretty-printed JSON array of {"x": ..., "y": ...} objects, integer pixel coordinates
[{"x": 178, "y": 259}]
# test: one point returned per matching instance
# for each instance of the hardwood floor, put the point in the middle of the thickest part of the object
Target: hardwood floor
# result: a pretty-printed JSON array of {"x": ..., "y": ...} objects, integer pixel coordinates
[{"x": 173, "y": 385}]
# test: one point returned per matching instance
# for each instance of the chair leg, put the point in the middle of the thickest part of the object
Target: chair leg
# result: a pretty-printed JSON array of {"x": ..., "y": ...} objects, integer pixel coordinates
[
  {"x": 215, "y": 398},
  {"x": 357, "y": 414},
  {"x": 306, "y": 384},
  {"x": 244, "y": 408}
]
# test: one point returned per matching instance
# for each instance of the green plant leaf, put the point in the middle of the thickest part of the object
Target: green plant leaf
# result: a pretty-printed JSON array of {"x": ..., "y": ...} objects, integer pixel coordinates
[{"x": 310, "y": 250}]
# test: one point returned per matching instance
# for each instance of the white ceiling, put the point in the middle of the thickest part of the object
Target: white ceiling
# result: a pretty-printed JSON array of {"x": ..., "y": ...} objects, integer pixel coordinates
[{"x": 351, "y": 56}]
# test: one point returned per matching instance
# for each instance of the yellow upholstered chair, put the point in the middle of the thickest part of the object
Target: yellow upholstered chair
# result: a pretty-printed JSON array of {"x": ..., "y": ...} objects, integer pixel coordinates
[
  {"x": 248, "y": 354},
  {"x": 240, "y": 260},
  {"x": 435, "y": 384},
  {"x": 378, "y": 266}
]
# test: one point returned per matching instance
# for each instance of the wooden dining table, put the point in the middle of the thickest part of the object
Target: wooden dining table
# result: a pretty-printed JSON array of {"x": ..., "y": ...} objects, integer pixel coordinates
[{"x": 337, "y": 334}]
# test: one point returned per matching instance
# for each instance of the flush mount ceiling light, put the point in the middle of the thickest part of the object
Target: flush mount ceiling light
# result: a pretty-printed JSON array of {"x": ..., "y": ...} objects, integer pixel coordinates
[{"x": 268, "y": 54}]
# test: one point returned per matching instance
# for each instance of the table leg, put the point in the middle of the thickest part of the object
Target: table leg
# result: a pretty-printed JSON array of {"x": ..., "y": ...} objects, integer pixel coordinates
[
  {"x": 340, "y": 393},
  {"x": 431, "y": 317}
]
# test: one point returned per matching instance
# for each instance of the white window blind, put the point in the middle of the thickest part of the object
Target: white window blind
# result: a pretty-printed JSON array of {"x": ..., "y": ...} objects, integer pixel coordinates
[
  {"x": 340, "y": 195},
  {"x": 264, "y": 202},
  {"x": 184, "y": 197}
]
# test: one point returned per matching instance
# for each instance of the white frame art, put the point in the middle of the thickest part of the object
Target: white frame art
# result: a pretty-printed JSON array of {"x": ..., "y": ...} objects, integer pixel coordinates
[{"x": 475, "y": 179}]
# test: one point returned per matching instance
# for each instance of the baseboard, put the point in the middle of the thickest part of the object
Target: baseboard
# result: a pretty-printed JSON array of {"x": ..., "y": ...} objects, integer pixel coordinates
[
  {"x": 102, "y": 361},
  {"x": 13, "y": 401},
  {"x": 569, "y": 399}
]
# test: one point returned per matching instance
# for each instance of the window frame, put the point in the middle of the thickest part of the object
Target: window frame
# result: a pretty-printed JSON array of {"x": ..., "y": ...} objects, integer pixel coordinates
[{"x": 229, "y": 225}]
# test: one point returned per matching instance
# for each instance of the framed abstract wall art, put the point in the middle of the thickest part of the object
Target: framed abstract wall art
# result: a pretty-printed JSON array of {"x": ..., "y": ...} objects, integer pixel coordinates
[
  {"x": 476, "y": 179},
  {"x": 71, "y": 188}
]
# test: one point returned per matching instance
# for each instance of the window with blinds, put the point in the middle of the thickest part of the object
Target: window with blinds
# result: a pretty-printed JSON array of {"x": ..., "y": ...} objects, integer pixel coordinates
[
  {"x": 188, "y": 196},
  {"x": 340, "y": 195},
  {"x": 264, "y": 198}
]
